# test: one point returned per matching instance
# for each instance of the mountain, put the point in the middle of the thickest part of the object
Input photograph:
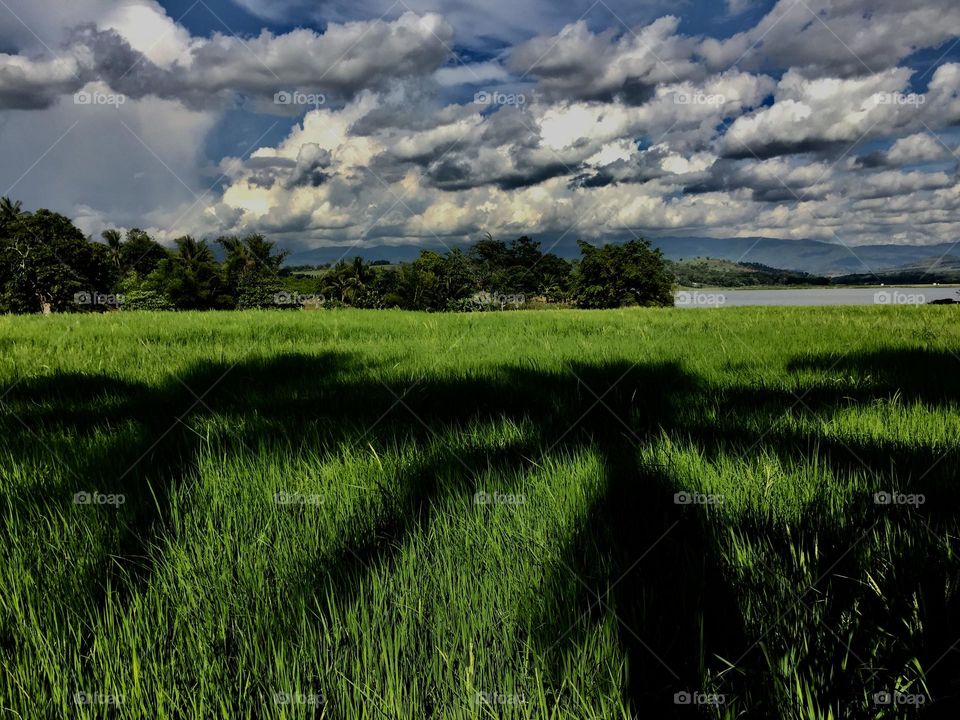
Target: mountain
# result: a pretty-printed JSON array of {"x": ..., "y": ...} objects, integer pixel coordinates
[
  {"x": 334, "y": 253},
  {"x": 809, "y": 256}
]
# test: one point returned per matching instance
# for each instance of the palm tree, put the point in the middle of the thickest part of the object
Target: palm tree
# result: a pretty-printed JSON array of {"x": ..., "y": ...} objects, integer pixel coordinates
[
  {"x": 253, "y": 254},
  {"x": 363, "y": 272},
  {"x": 10, "y": 211},
  {"x": 113, "y": 238},
  {"x": 341, "y": 281},
  {"x": 191, "y": 276},
  {"x": 261, "y": 251}
]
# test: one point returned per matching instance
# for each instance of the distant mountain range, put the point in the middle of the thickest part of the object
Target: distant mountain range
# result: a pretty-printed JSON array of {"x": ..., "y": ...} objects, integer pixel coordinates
[{"x": 811, "y": 256}]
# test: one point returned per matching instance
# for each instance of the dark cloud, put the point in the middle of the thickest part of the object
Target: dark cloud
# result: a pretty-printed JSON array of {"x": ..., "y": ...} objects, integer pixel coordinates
[{"x": 342, "y": 61}]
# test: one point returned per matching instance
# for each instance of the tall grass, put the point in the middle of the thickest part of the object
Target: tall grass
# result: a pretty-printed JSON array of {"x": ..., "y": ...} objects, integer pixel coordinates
[{"x": 553, "y": 514}]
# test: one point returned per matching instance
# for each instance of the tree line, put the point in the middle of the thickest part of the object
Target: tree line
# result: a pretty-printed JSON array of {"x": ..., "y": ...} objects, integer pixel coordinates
[{"x": 48, "y": 265}]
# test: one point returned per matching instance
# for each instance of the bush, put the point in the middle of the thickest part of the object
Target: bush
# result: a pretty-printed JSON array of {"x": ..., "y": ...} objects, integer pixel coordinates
[{"x": 145, "y": 300}]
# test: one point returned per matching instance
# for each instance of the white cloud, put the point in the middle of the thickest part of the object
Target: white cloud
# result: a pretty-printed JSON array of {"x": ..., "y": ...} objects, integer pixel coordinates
[
  {"x": 808, "y": 114},
  {"x": 642, "y": 128},
  {"x": 841, "y": 37},
  {"x": 163, "y": 62},
  {"x": 919, "y": 148},
  {"x": 580, "y": 64}
]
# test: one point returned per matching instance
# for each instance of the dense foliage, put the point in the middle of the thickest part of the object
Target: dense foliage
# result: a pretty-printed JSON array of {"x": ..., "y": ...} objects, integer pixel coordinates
[
  {"x": 46, "y": 264},
  {"x": 724, "y": 273}
]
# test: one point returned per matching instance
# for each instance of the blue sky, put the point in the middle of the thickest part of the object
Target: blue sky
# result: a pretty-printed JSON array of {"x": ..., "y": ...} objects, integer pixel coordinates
[{"x": 374, "y": 122}]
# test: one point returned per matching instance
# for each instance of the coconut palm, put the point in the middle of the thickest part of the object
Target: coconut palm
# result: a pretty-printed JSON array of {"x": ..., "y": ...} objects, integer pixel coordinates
[
  {"x": 113, "y": 240},
  {"x": 10, "y": 212},
  {"x": 10, "y": 209}
]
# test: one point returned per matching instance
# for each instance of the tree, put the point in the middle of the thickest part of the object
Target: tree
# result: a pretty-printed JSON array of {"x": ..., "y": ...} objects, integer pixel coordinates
[
  {"x": 489, "y": 259},
  {"x": 251, "y": 269},
  {"x": 113, "y": 240},
  {"x": 10, "y": 212},
  {"x": 48, "y": 265},
  {"x": 554, "y": 276},
  {"x": 340, "y": 283},
  {"x": 140, "y": 254},
  {"x": 191, "y": 279},
  {"x": 351, "y": 283},
  {"x": 518, "y": 268},
  {"x": 434, "y": 281},
  {"x": 614, "y": 275}
]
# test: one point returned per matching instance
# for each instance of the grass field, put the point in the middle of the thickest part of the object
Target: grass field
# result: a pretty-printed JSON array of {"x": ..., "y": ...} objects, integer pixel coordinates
[{"x": 559, "y": 514}]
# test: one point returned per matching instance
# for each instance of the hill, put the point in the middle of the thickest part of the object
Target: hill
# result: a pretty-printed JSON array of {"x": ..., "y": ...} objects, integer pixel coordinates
[
  {"x": 804, "y": 256},
  {"x": 725, "y": 273},
  {"x": 809, "y": 256}
]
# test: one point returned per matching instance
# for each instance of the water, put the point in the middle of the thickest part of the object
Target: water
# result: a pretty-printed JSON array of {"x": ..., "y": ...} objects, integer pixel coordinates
[{"x": 815, "y": 296}]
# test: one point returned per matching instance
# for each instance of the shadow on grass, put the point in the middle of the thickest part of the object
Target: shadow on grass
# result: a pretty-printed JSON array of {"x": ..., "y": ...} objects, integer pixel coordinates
[{"x": 661, "y": 567}]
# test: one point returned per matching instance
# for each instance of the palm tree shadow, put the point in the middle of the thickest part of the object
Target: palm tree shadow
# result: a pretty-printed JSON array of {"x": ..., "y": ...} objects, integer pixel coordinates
[
  {"x": 657, "y": 565},
  {"x": 110, "y": 437}
]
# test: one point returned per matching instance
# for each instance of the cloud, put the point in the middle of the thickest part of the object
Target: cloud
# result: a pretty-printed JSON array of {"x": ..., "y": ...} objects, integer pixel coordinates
[
  {"x": 342, "y": 61},
  {"x": 126, "y": 162},
  {"x": 513, "y": 170},
  {"x": 843, "y": 38},
  {"x": 736, "y": 7},
  {"x": 911, "y": 150},
  {"x": 809, "y": 115},
  {"x": 642, "y": 129},
  {"x": 491, "y": 24},
  {"x": 578, "y": 64},
  {"x": 28, "y": 84}
]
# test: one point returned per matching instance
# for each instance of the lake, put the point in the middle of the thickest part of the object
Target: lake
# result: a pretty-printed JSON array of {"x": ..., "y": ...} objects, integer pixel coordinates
[{"x": 703, "y": 298}]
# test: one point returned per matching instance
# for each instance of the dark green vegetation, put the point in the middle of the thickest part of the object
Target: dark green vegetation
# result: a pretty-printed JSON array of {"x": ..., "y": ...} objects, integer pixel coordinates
[
  {"x": 711, "y": 272},
  {"x": 403, "y": 515},
  {"x": 46, "y": 264},
  {"x": 945, "y": 271}
]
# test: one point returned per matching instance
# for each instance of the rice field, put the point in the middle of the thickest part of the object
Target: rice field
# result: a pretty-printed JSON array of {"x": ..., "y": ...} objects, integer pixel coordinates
[{"x": 735, "y": 513}]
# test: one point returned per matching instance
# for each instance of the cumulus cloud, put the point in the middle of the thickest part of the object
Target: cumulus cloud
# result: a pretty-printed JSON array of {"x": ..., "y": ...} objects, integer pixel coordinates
[
  {"x": 31, "y": 84},
  {"x": 911, "y": 150},
  {"x": 579, "y": 64},
  {"x": 816, "y": 114},
  {"x": 807, "y": 125},
  {"x": 207, "y": 73},
  {"x": 841, "y": 37}
]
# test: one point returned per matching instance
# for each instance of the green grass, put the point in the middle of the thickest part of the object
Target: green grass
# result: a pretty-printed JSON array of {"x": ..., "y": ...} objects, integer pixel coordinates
[{"x": 379, "y": 584}]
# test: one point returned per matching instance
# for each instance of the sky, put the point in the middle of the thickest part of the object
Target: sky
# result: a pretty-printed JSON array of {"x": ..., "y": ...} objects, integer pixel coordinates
[{"x": 431, "y": 122}]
